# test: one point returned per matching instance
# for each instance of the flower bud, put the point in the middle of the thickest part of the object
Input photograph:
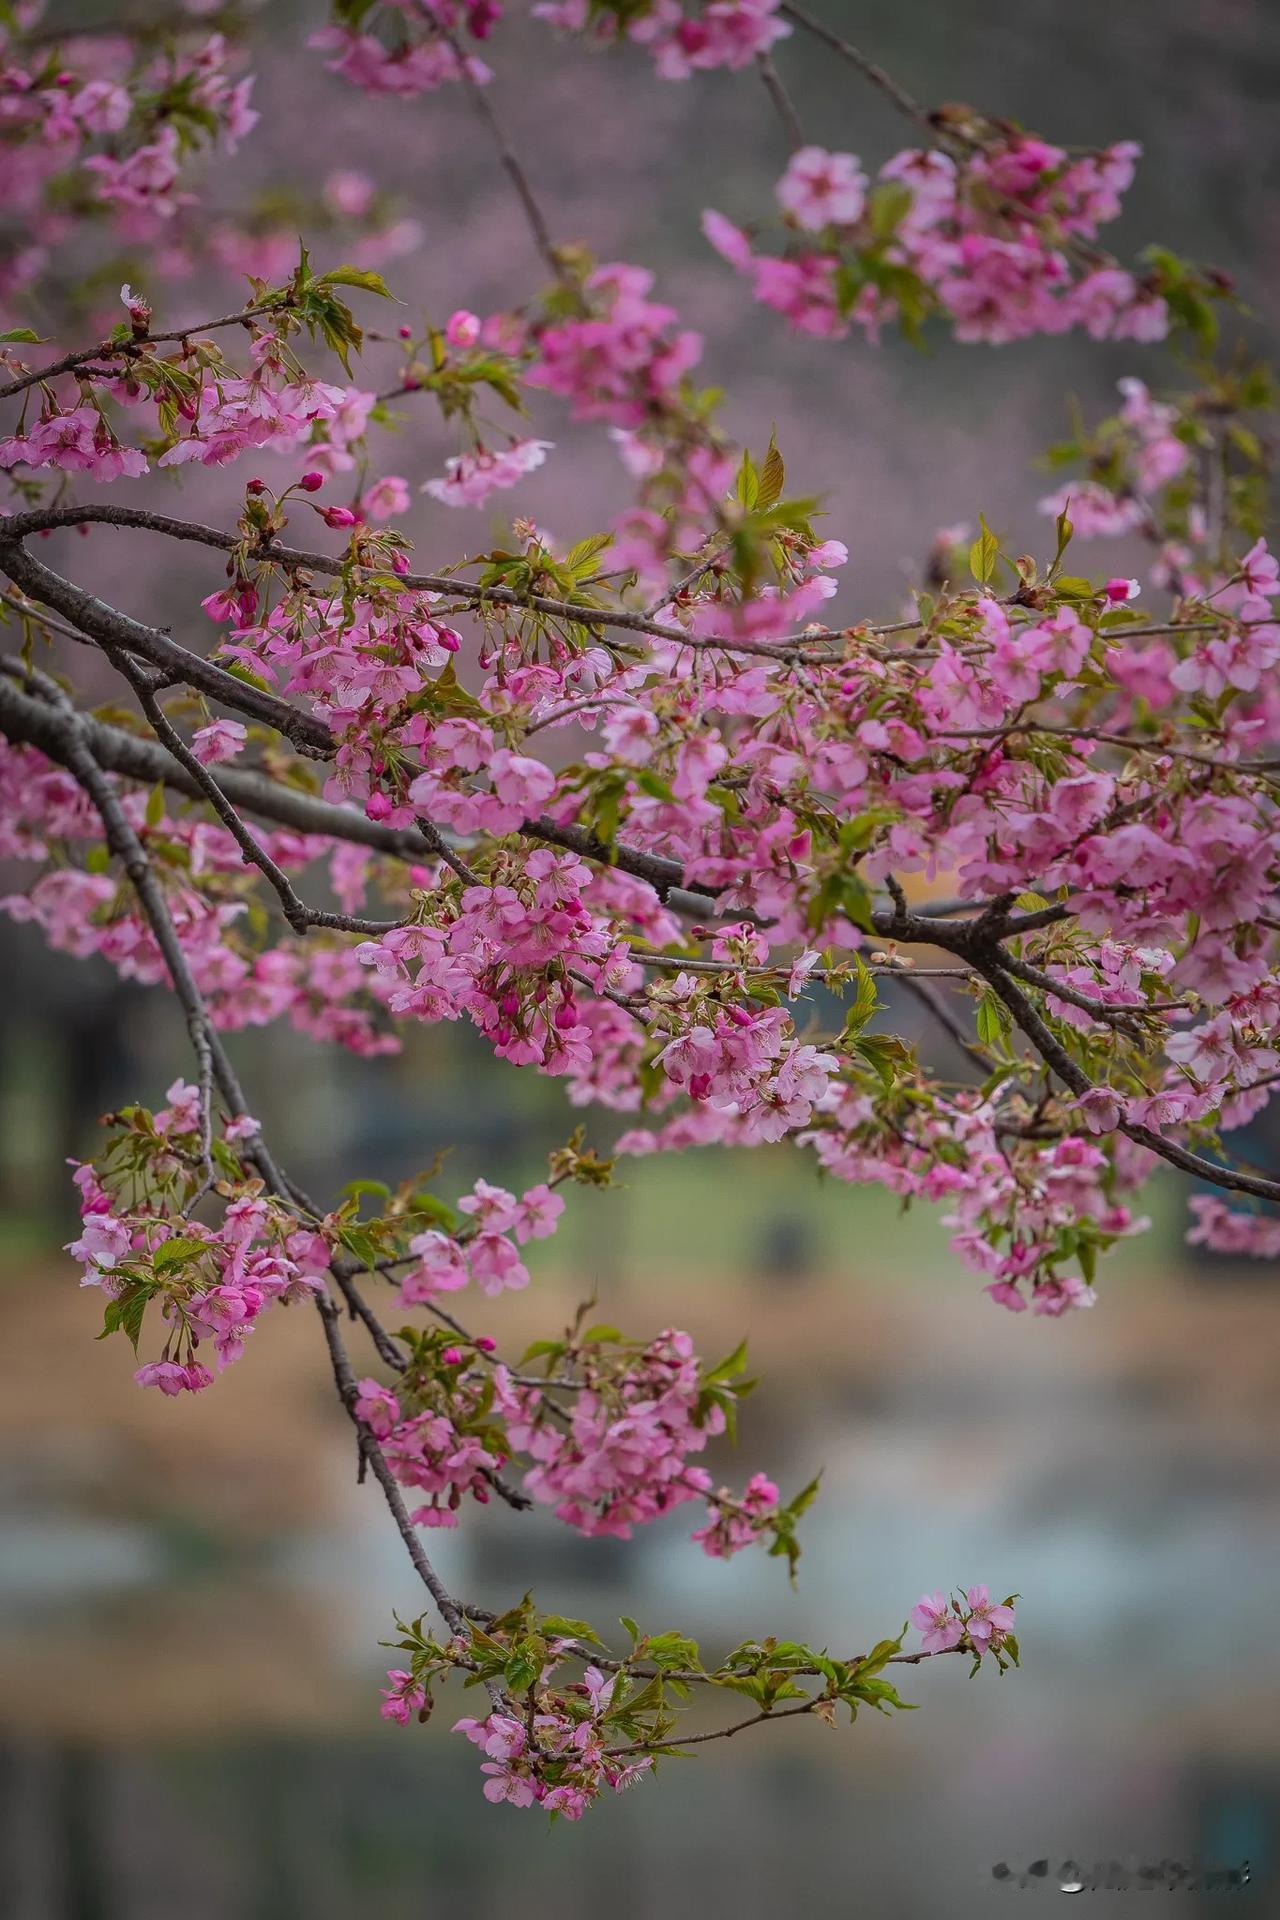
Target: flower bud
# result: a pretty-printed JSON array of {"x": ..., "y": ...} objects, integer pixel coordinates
[
  {"x": 462, "y": 329},
  {"x": 311, "y": 482}
]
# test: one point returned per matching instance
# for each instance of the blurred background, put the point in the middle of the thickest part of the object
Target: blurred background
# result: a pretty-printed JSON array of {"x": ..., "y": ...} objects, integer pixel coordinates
[{"x": 192, "y": 1595}]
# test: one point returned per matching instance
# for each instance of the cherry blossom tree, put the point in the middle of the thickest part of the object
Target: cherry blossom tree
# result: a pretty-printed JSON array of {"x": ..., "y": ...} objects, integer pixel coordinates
[{"x": 631, "y": 807}]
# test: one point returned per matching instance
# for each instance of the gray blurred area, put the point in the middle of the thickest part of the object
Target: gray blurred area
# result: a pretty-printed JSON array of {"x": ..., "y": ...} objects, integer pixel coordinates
[{"x": 191, "y": 1596}]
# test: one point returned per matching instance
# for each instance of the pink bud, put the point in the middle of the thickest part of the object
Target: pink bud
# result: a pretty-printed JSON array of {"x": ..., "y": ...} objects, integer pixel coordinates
[
  {"x": 337, "y": 516},
  {"x": 486, "y": 1343},
  {"x": 256, "y": 486},
  {"x": 449, "y": 640},
  {"x": 451, "y": 1357},
  {"x": 311, "y": 482},
  {"x": 462, "y": 329},
  {"x": 406, "y": 333},
  {"x": 378, "y": 807}
]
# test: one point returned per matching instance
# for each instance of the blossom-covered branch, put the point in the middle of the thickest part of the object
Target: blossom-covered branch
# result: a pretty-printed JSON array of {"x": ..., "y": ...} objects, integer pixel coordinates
[{"x": 630, "y": 805}]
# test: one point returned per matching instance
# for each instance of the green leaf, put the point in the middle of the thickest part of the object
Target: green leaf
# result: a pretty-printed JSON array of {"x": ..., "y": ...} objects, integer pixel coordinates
[
  {"x": 20, "y": 336},
  {"x": 773, "y": 475},
  {"x": 879, "y": 1656},
  {"x": 884, "y": 1053},
  {"x": 521, "y": 1670},
  {"x": 432, "y": 1207},
  {"x": 882, "y": 1696},
  {"x": 125, "y": 1315},
  {"x": 729, "y": 1368},
  {"x": 865, "y": 1001},
  {"x": 155, "y": 805},
  {"x": 355, "y": 277},
  {"x": 539, "y": 1348},
  {"x": 992, "y": 1020},
  {"x": 983, "y": 555},
  {"x": 238, "y": 671},
  {"x": 646, "y": 1700},
  {"x": 175, "y": 1252},
  {"x": 803, "y": 1500},
  {"x": 653, "y": 784},
  {"x": 556, "y": 1623},
  {"x": 888, "y": 204},
  {"x": 580, "y": 559},
  {"x": 674, "y": 1650},
  {"x": 355, "y": 1189}
]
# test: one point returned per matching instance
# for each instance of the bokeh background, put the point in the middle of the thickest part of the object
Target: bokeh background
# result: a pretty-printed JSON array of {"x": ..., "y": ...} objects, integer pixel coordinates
[{"x": 191, "y": 1596}]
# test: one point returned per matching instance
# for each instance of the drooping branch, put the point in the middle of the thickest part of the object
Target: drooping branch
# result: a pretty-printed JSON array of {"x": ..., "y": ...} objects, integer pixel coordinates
[{"x": 66, "y": 742}]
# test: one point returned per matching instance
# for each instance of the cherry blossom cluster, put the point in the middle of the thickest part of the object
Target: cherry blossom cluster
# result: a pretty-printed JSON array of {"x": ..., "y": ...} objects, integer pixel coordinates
[
  {"x": 620, "y": 1457},
  {"x": 119, "y": 119},
  {"x": 972, "y": 1622},
  {"x": 406, "y": 47},
  {"x": 997, "y": 237},
  {"x": 681, "y": 39},
  {"x": 569, "y": 1720},
  {"x": 438, "y": 1449},
  {"x": 81, "y": 909},
  {"x": 606, "y": 1438},
  {"x": 484, "y": 1248},
  {"x": 140, "y": 1246}
]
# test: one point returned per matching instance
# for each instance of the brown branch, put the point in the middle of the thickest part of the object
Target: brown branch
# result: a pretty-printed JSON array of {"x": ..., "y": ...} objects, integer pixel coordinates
[
  {"x": 300, "y": 916},
  {"x": 783, "y": 105},
  {"x": 18, "y": 527},
  {"x": 112, "y": 629},
  {"x": 888, "y": 86},
  {"x": 136, "y": 349},
  {"x": 720, "y": 1733}
]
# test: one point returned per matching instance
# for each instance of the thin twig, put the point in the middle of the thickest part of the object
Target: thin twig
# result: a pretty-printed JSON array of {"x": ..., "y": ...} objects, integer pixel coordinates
[
  {"x": 507, "y": 160},
  {"x": 783, "y": 104},
  {"x": 888, "y": 86}
]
